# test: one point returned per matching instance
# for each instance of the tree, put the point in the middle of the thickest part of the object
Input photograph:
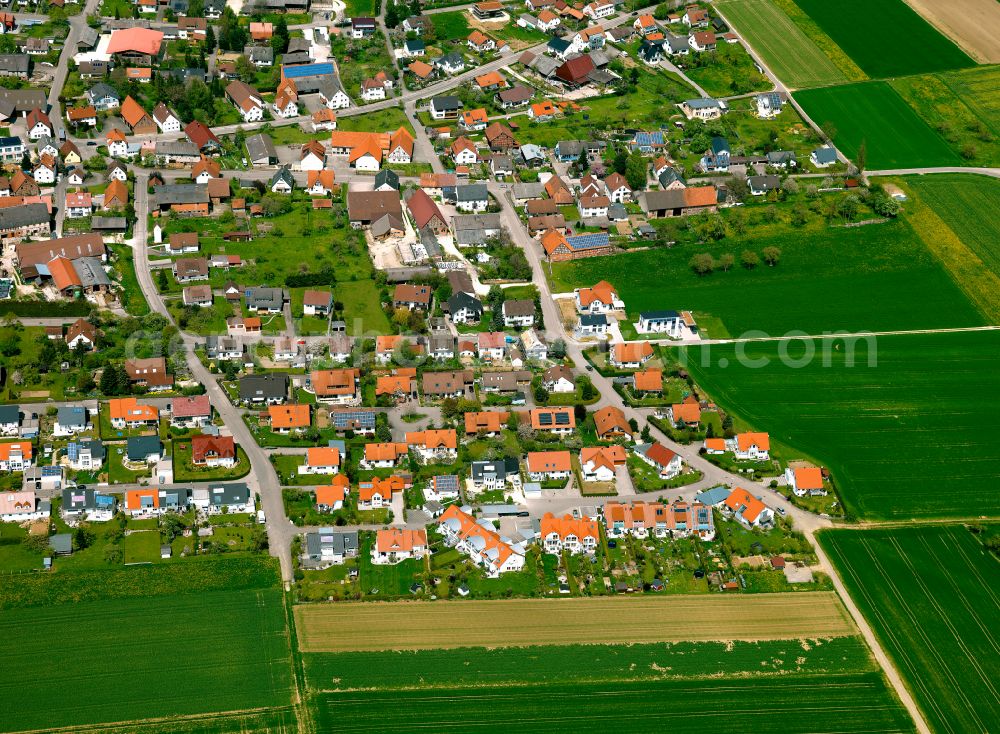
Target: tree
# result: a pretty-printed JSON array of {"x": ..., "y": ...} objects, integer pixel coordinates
[
  {"x": 620, "y": 162},
  {"x": 541, "y": 395},
  {"x": 209, "y": 40},
  {"x": 635, "y": 171},
  {"x": 497, "y": 322},
  {"x": 862, "y": 157},
  {"x": 749, "y": 259},
  {"x": 583, "y": 162},
  {"x": 771, "y": 255},
  {"x": 799, "y": 215},
  {"x": 383, "y": 433},
  {"x": 279, "y": 36},
  {"x": 82, "y": 538},
  {"x": 726, "y": 261},
  {"x": 391, "y": 15},
  {"x": 702, "y": 263},
  {"x": 162, "y": 283},
  {"x": 737, "y": 189}
]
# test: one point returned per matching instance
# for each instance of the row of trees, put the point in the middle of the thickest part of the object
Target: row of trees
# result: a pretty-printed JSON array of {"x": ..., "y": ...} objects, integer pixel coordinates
[{"x": 704, "y": 263}]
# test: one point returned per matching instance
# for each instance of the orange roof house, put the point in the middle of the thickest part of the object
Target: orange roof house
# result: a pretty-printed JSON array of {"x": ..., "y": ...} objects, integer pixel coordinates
[
  {"x": 385, "y": 453},
  {"x": 688, "y": 413},
  {"x": 807, "y": 479},
  {"x": 433, "y": 440},
  {"x": 630, "y": 353},
  {"x": 744, "y": 441},
  {"x": 288, "y": 417},
  {"x": 64, "y": 275},
  {"x": 545, "y": 108},
  {"x": 383, "y": 488},
  {"x": 746, "y": 508},
  {"x": 135, "y": 42},
  {"x": 395, "y": 385},
  {"x": 610, "y": 422},
  {"x": 420, "y": 69},
  {"x": 128, "y": 411},
  {"x": 322, "y": 457},
  {"x": 555, "y": 420},
  {"x": 396, "y": 542},
  {"x": 491, "y": 80},
  {"x": 593, "y": 458},
  {"x": 487, "y": 421},
  {"x": 715, "y": 445},
  {"x": 116, "y": 194},
  {"x": 261, "y": 31},
  {"x": 549, "y": 462},
  {"x": 335, "y": 384},
  {"x": 650, "y": 380},
  {"x": 11, "y": 448},
  {"x": 206, "y": 448},
  {"x": 568, "y": 533},
  {"x": 137, "y": 118},
  {"x": 332, "y": 496},
  {"x": 471, "y": 118}
]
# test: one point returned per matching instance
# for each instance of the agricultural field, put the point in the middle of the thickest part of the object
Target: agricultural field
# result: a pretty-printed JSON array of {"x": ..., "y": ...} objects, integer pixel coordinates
[
  {"x": 849, "y": 703},
  {"x": 417, "y": 625},
  {"x": 862, "y": 29},
  {"x": 930, "y": 593},
  {"x": 548, "y": 664},
  {"x": 972, "y": 24},
  {"x": 962, "y": 106},
  {"x": 792, "y": 55},
  {"x": 884, "y": 279},
  {"x": 730, "y": 70},
  {"x": 914, "y": 436},
  {"x": 241, "y": 660},
  {"x": 954, "y": 215},
  {"x": 277, "y": 720},
  {"x": 873, "y": 114}
]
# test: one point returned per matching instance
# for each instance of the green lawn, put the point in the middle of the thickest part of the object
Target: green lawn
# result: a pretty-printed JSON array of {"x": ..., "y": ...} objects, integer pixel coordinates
[
  {"x": 848, "y": 703},
  {"x": 913, "y": 436},
  {"x": 451, "y": 26},
  {"x": 878, "y": 277},
  {"x": 930, "y": 594},
  {"x": 217, "y": 651},
  {"x": 14, "y": 556},
  {"x": 362, "y": 308},
  {"x": 730, "y": 70},
  {"x": 389, "y": 119},
  {"x": 886, "y": 38},
  {"x": 791, "y": 54},
  {"x": 131, "y": 294},
  {"x": 874, "y": 114},
  {"x": 204, "y": 321}
]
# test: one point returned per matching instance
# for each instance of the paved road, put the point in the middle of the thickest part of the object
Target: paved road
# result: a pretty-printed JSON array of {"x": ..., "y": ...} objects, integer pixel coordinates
[
  {"x": 262, "y": 477},
  {"x": 76, "y": 24}
]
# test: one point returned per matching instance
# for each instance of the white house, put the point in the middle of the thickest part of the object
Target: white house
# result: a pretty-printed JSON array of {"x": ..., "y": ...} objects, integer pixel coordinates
[
  {"x": 806, "y": 481},
  {"x": 485, "y": 547},
  {"x": 321, "y": 460},
  {"x": 599, "y": 9},
  {"x": 442, "y": 488},
  {"x": 666, "y": 322},
  {"x": 750, "y": 446},
  {"x": 667, "y": 464},
  {"x": 569, "y": 534},
  {"x": 396, "y": 545},
  {"x": 21, "y": 506}
]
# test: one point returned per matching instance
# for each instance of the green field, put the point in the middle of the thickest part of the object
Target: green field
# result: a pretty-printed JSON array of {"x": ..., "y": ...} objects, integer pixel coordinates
[
  {"x": 885, "y": 37},
  {"x": 544, "y": 665},
  {"x": 848, "y": 703},
  {"x": 875, "y": 278},
  {"x": 962, "y": 106},
  {"x": 785, "y": 48},
  {"x": 120, "y": 660},
  {"x": 955, "y": 215},
  {"x": 873, "y": 113},
  {"x": 270, "y": 721},
  {"x": 931, "y": 595},
  {"x": 913, "y": 437}
]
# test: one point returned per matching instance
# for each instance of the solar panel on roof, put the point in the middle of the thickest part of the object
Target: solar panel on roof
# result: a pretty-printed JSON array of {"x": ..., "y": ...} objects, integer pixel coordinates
[
  {"x": 545, "y": 419},
  {"x": 588, "y": 241},
  {"x": 294, "y": 72},
  {"x": 562, "y": 419},
  {"x": 446, "y": 482}
]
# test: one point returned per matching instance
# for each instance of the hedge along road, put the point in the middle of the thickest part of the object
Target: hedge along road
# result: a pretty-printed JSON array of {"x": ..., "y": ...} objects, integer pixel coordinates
[{"x": 417, "y": 625}]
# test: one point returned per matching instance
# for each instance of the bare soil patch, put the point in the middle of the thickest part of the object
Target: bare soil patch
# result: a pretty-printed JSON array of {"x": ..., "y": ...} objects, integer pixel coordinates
[
  {"x": 972, "y": 24},
  {"x": 646, "y": 619}
]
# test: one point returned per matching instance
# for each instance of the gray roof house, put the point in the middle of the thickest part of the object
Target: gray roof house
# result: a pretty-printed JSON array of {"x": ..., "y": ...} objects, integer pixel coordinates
[
  {"x": 71, "y": 418},
  {"x": 261, "y": 150},
  {"x": 271, "y": 300},
  {"x": 144, "y": 448},
  {"x": 490, "y": 472},
  {"x": 331, "y": 546},
  {"x": 267, "y": 388}
]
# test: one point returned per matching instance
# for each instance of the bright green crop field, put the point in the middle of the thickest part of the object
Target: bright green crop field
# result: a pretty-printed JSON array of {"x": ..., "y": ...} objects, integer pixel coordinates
[
  {"x": 785, "y": 48},
  {"x": 142, "y": 658},
  {"x": 873, "y": 113},
  {"x": 545, "y": 665},
  {"x": 885, "y": 37},
  {"x": 847, "y": 703},
  {"x": 915, "y": 436},
  {"x": 877, "y": 278},
  {"x": 931, "y": 595}
]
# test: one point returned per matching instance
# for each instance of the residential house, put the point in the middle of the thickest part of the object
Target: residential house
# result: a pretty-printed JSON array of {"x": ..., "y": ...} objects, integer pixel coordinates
[
  {"x": 703, "y": 108},
  {"x": 568, "y": 534},
  {"x": 666, "y": 463},
  {"x": 15, "y": 456},
  {"x": 190, "y": 412},
  {"x": 396, "y": 545},
  {"x": 143, "y": 449},
  {"x": 213, "y": 451},
  {"x": 331, "y": 497},
  {"x": 286, "y": 419},
  {"x": 555, "y": 420},
  {"x": 321, "y": 460},
  {"x": 480, "y": 542},
  {"x": 150, "y": 373},
  {"x": 611, "y": 424},
  {"x": 549, "y": 466},
  {"x": 495, "y": 474},
  {"x": 518, "y": 313},
  {"x": 383, "y": 455},
  {"x": 341, "y": 387},
  {"x": 630, "y": 355},
  {"x": 757, "y": 447},
  {"x": 687, "y": 414},
  {"x": 86, "y": 455},
  {"x": 600, "y": 463},
  {"x": 434, "y": 445},
  {"x": 88, "y": 504},
  {"x": 747, "y": 509},
  {"x": 329, "y": 546},
  {"x": 485, "y": 423},
  {"x": 269, "y": 388},
  {"x": 805, "y": 481}
]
